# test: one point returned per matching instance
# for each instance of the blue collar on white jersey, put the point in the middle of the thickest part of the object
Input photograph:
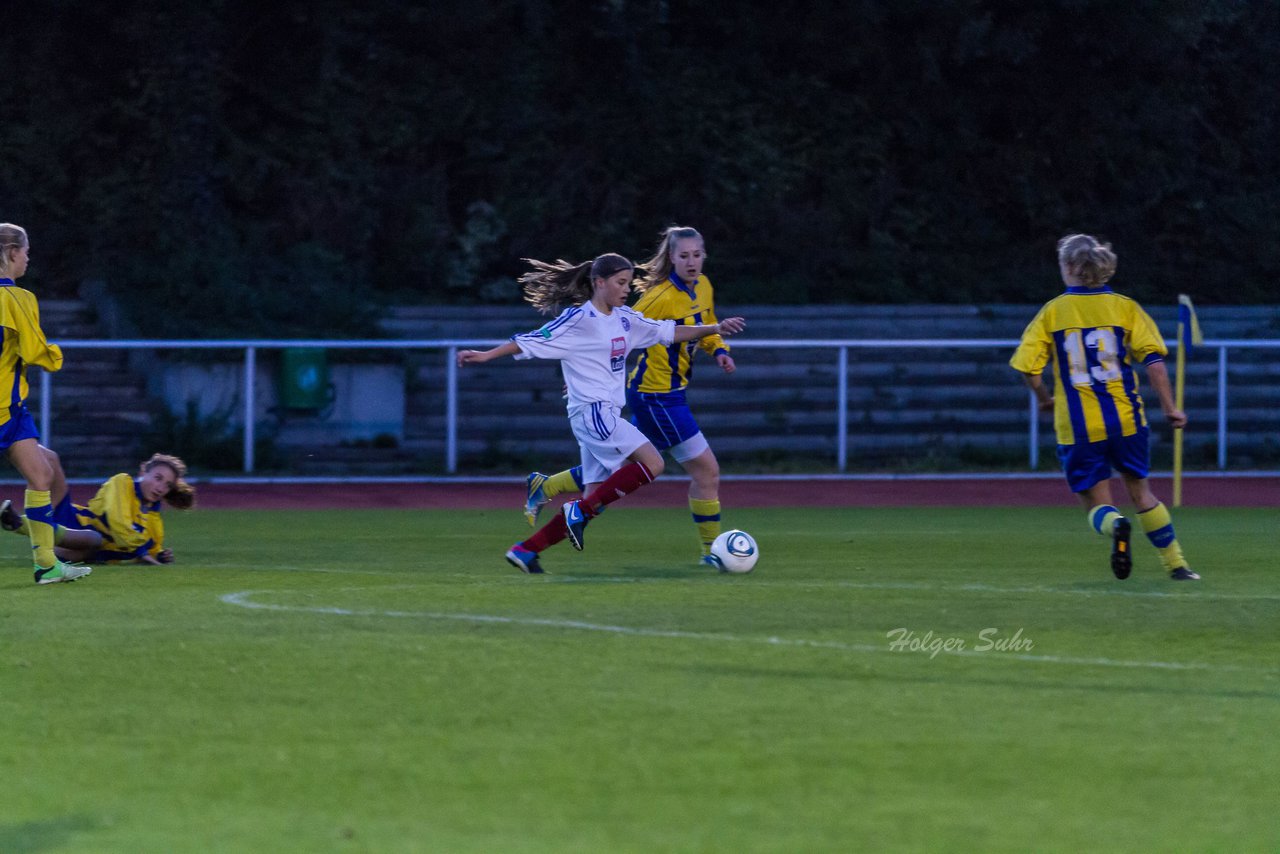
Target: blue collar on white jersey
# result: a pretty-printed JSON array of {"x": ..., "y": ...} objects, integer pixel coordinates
[{"x": 1081, "y": 289}]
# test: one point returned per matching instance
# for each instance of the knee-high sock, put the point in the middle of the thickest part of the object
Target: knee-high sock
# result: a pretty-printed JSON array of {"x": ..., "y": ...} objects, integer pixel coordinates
[
  {"x": 39, "y": 513},
  {"x": 622, "y": 482},
  {"x": 64, "y": 514},
  {"x": 1103, "y": 519},
  {"x": 569, "y": 480},
  {"x": 548, "y": 535},
  {"x": 627, "y": 479},
  {"x": 1159, "y": 527},
  {"x": 706, "y": 516}
]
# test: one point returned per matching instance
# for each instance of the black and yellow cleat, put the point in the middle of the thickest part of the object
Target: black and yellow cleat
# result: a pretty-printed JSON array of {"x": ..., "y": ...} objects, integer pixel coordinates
[{"x": 1121, "y": 559}]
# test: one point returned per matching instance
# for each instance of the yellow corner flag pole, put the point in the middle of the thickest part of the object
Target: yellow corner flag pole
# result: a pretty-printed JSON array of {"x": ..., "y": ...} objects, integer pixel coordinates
[{"x": 1188, "y": 335}]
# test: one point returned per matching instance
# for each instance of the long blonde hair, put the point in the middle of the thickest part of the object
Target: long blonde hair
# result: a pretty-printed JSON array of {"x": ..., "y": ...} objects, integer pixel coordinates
[
  {"x": 11, "y": 237},
  {"x": 548, "y": 287},
  {"x": 1085, "y": 258},
  {"x": 659, "y": 267},
  {"x": 182, "y": 495}
]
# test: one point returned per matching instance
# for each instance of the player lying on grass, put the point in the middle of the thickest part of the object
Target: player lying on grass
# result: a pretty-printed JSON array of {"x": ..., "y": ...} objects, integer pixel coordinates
[
  {"x": 591, "y": 338},
  {"x": 1095, "y": 338},
  {"x": 672, "y": 288},
  {"x": 122, "y": 521}
]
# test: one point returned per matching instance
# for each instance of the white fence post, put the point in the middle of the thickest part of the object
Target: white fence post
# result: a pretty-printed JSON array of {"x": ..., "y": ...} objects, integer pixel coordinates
[{"x": 250, "y": 373}]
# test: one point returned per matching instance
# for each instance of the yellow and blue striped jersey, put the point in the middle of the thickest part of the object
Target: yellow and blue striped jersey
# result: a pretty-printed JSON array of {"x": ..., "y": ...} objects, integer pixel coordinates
[
  {"x": 1095, "y": 339},
  {"x": 24, "y": 344},
  {"x": 130, "y": 527},
  {"x": 669, "y": 367}
]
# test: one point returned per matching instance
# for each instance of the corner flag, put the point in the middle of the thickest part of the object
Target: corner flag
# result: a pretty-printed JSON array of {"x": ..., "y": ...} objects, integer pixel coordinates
[
  {"x": 1189, "y": 336},
  {"x": 1188, "y": 324}
]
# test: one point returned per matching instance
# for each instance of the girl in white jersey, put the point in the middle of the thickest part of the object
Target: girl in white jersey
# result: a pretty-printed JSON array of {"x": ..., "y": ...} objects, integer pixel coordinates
[{"x": 591, "y": 339}]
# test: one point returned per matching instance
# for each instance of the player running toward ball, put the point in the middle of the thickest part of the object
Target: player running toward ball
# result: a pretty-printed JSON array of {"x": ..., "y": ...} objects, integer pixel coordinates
[
  {"x": 672, "y": 288},
  {"x": 591, "y": 338},
  {"x": 1095, "y": 339},
  {"x": 24, "y": 344}
]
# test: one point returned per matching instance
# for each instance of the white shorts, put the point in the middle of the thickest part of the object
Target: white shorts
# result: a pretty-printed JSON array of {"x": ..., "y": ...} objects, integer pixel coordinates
[{"x": 606, "y": 439}]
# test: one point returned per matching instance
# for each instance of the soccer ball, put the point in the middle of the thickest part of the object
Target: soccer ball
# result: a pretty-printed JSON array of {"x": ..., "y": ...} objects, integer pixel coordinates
[{"x": 735, "y": 551}]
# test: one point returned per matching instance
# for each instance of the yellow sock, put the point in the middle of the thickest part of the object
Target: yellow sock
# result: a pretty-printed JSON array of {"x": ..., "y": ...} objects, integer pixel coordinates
[
  {"x": 1159, "y": 527},
  {"x": 706, "y": 515},
  {"x": 559, "y": 482},
  {"x": 39, "y": 512},
  {"x": 1103, "y": 519}
]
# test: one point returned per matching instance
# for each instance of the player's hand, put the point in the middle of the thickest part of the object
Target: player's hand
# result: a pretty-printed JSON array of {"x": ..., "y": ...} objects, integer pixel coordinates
[
  {"x": 470, "y": 357},
  {"x": 165, "y": 556},
  {"x": 1177, "y": 418},
  {"x": 1045, "y": 405},
  {"x": 731, "y": 325},
  {"x": 725, "y": 361}
]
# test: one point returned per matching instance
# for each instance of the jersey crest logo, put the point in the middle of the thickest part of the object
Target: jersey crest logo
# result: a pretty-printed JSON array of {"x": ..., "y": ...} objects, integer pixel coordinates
[
  {"x": 626, "y": 324},
  {"x": 618, "y": 355}
]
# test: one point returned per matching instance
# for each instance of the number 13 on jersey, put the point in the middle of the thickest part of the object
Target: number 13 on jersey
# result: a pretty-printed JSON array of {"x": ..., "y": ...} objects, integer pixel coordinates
[{"x": 1077, "y": 343}]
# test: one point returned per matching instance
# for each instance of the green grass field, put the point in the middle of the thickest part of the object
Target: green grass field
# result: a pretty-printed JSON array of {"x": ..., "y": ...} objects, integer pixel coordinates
[{"x": 384, "y": 682}]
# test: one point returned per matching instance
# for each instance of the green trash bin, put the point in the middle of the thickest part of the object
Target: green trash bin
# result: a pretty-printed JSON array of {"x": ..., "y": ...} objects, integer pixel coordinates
[{"x": 304, "y": 379}]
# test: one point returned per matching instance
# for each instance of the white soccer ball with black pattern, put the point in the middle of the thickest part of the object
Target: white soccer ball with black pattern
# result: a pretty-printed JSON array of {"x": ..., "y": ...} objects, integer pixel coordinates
[{"x": 735, "y": 551}]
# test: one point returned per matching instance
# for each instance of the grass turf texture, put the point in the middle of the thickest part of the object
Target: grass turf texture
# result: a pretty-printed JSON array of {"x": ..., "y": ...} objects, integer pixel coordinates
[{"x": 385, "y": 683}]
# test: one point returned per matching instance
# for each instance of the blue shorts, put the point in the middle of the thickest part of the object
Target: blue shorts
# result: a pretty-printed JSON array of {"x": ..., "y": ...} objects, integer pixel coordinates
[
  {"x": 663, "y": 417},
  {"x": 1090, "y": 463},
  {"x": 19, "y": 426}
]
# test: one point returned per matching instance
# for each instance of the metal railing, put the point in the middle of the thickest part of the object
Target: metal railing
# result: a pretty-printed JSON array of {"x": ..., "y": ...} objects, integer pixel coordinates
[{"x": 840, "y": 347}]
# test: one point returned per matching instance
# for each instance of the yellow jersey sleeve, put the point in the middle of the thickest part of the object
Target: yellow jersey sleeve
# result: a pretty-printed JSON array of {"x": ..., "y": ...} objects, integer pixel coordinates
[
  {"x": 1035, "y": 348},
  {"x": 20, "y": 312},
  {"x": 1146, "y": 344},
  {"x": 118, "y": 514}
]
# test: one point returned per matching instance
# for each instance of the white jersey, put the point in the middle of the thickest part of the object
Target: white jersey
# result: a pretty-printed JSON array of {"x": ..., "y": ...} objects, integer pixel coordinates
[{"x": 592, "y": 349}]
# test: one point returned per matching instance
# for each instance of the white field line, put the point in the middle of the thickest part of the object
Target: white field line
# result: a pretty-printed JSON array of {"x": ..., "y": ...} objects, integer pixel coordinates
[
  {"x": 243, "y": 599},
  {"x": 1191, "y": 594},
  {"x": 1182, "y": 594}
]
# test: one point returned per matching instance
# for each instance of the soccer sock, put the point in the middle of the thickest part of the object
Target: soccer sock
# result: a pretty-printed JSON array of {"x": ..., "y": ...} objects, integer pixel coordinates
[
  {"x": 64, "y": 514},
  {"x": 548, "y": 535},
  {"x": 706, "y": 515},
  {"x": 563, "y": 481},
  {"x": 1159, "y": 527},
  {"x": 622, "y": 482},
  {"x": 1103, "y": 519},
  {"x": 40, "y": 526}
]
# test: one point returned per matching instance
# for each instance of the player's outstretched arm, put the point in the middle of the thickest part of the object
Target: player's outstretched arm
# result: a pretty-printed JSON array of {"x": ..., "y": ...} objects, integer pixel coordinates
[
  {"x": 728, "y": 326},
  {"x": 473, "y": 357}
]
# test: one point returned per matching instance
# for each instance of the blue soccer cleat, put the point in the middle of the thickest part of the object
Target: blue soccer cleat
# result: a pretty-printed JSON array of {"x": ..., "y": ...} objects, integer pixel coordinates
[
  {"x": 576, "y": 521},
  {"x": 524, "y": 560},
  {"x": 534, "y": 497}
]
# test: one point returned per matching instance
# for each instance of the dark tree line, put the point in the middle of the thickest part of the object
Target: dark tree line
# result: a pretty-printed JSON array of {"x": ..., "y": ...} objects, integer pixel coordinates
[{"x": 284, "y": 167}]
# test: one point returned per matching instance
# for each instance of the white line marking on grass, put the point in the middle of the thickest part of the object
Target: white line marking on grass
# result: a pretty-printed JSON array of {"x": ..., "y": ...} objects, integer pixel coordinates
[
  {"x": 1185, "y": 594},
  {"x": 242, "y": 600}
]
